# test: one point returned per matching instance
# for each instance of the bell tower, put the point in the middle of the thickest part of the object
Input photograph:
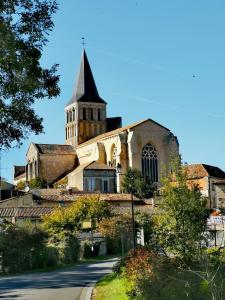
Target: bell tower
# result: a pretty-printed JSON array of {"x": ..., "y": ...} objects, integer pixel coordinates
[{"x": 86, "y": 111}]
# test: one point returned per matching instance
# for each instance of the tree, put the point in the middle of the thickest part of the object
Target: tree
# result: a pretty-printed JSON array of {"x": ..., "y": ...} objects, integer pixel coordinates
[
  {"x": 37, "y": 183},
  {"x": 181, "y": 221},
  {"x": 24, "y": 27},
  {"x": 118, "y": 233},
  {"x": 71, "y": 218},
  {"x": 135, "y": 183}
]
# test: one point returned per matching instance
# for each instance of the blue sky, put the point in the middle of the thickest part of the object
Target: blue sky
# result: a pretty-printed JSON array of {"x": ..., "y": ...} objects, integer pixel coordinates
[{"x": 163, "y": 60}]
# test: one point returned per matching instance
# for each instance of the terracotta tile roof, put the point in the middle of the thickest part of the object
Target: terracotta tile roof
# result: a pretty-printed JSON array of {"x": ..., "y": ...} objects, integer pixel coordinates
[
  {"x": 215, "y": 213},
  {"x": 202, "y": 170},
  {"x": 195, "y": 171},
  {"x": 55, "y": 149},
  {"x": 63, "y": 195},
  {"x": 23, "y": 212},
  {"x": 117, "y": 131}
]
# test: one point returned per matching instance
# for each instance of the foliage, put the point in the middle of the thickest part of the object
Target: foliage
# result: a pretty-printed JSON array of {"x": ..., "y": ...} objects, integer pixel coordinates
[
  {"x": 37, "y": 183},
  {"x": 22, "y": 249},
  {"x": 20, "y": 185},
  {"x": 118, "y": 233},
  {"x": 63, "y": 249},
  {"x": 141, "y": 265},
  {"x": 181, "y": 221},
  {"x": 27, "y": 247},
  {"x": 24, "y": 27},
  {"x": 134, "y": 182},
  {"x": 90, "y": 248},
  {"x": 144, "y": 220},
  {"x": 62, "y": 183},
  {"x": 71, "y": 218}
]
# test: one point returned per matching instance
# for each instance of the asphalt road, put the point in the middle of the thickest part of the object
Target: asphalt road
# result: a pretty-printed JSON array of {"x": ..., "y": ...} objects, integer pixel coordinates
[{"x": 73, "y": 283}]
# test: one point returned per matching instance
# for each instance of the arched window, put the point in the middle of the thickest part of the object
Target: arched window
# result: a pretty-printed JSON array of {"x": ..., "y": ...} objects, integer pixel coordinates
[
  {"x": 73, "y": 114},
  {"x": 149, "y": 161},
  {"x": 67, "y": 117}
]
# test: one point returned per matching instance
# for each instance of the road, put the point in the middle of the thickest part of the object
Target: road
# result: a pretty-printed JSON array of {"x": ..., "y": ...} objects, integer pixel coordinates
[{"x": 72, "y": 283}]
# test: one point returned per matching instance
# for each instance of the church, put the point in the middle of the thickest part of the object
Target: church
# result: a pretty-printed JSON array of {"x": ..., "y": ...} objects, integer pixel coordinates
[{"x": 98, "y": 150}]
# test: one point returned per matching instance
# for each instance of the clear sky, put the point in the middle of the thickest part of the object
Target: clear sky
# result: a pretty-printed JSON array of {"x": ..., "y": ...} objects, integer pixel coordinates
[{"x": 157, "y": 59}]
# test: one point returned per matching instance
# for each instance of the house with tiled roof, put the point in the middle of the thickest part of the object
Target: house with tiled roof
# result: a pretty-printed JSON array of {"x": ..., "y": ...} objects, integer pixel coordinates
[
  {"x": 97, "y": 146},
  {"x": 210, "y": 180}
]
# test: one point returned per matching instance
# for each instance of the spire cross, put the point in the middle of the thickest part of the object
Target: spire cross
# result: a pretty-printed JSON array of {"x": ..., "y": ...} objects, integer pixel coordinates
[{"x": 83, "y": 41}]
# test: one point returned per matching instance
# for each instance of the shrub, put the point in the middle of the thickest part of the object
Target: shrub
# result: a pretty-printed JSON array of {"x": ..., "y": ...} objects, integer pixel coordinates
[
  {"x": 22, "y": 249},
  {"x": 29, "y": 247},
  {"x": 20, "y": 185},
  {"x": 90, "y": 249},
  {"x": 118, "y": 233},
  {"x": 37, "y": 183},
  {"x": 143, "y": 269}
]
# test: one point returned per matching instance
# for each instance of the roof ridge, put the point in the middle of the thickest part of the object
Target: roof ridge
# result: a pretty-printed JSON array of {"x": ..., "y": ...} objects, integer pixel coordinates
[{"x": 118, "y": 130}]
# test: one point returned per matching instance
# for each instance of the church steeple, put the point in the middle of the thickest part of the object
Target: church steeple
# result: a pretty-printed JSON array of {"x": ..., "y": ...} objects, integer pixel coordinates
[
  {"x": 86, "y": 111},
  {"x": 85, "y": 88}
]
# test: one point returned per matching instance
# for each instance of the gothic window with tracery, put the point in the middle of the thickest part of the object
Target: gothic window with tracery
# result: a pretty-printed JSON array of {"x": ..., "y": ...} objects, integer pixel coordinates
[{"x": 149, "y": 160}]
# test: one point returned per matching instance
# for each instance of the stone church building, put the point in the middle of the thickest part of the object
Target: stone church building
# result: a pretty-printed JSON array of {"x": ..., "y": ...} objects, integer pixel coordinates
[{"x": 95, "y": 145}]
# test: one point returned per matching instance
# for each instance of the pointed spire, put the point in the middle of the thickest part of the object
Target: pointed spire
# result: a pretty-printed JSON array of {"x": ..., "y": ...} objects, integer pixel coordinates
[{"x": 85, "y": 89}]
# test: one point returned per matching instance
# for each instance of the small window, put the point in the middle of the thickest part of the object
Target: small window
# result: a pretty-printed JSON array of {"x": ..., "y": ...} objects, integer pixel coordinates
[
  {"x": 84, "y": 113},
  {"x": 105, "y": 186},
  {"x": 73, "y": 114},
  {"x": 92, "y": 114},
  {"x": 99, "y": 114}
]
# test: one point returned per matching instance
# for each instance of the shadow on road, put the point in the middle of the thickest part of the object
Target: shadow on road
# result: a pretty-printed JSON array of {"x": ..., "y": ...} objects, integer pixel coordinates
[{"x": 78, "y": 276}]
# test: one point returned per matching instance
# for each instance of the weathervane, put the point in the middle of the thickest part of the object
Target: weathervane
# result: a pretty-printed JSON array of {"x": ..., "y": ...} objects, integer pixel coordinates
[{"x": 83, "y": 41}]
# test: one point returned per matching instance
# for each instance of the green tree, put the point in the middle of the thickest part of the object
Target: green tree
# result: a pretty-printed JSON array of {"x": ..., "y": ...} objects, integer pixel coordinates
[
  {"x": 24, "y": 27},
  {"x": 118, "y": 233},
  {"x": 135, "y": 183},
  {"x": 37, "y": 183},
  {"x": 71, "y": 218},
  {"x": 20, "y": 185},
  {"x": 181, "y": 221}
]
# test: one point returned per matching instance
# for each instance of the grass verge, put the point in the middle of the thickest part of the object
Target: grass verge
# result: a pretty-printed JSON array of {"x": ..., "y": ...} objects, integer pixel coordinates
[{"x": 111, "y": 287}]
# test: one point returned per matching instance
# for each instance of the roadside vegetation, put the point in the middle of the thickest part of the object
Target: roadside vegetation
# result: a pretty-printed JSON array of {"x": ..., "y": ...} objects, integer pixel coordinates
[{"x": 176, "y": 262}]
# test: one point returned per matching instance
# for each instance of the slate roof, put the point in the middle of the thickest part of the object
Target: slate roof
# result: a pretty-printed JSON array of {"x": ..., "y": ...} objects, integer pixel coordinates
[
  {"x": 55, "y": 148},
  {"x": 119, "y": 130},
  {"x": 195, "y": 171},
  {"x": 95, "y": 165},
  {"x": 23, "y": 212},
  {"x": 85, "y": 89},
  {"x": 18, "y": 170}
]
